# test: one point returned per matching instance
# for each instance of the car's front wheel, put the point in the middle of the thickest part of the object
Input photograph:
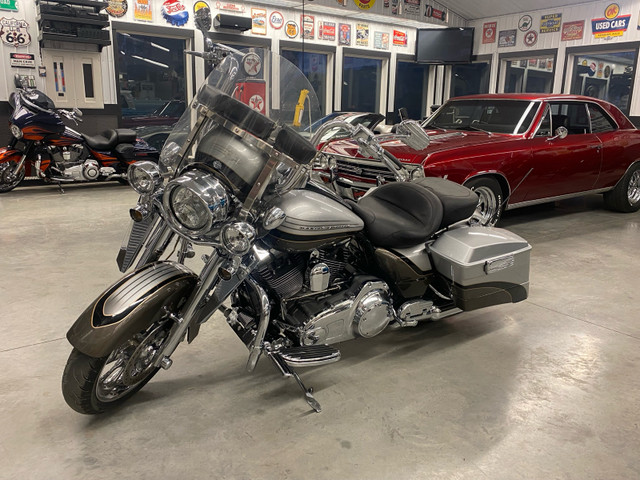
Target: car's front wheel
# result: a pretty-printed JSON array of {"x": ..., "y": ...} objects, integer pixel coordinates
[
  {"x": 490, "y": 205},
  {"x": 625, "y": 197}
]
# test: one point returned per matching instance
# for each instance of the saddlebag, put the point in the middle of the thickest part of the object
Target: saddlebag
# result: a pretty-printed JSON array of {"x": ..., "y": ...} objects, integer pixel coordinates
[{"x": 486, "y": 266}]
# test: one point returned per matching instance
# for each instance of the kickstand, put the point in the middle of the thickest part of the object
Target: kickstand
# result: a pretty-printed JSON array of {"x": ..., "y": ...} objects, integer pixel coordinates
[
  {"x": 60, "y": 188},
  {"x": 287, "y": 371}
]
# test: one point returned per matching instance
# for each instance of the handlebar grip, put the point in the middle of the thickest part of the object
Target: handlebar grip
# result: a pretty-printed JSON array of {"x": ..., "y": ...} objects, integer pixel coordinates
[{"x": 394, "y": 159}]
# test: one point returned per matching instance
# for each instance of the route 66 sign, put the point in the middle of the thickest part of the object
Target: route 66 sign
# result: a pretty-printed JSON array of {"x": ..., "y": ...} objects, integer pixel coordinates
[{"x": 14, "y": 32}]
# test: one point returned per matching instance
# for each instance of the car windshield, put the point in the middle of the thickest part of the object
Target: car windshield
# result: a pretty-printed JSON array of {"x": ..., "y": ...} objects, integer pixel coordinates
[{"x": 490, "y": 115}]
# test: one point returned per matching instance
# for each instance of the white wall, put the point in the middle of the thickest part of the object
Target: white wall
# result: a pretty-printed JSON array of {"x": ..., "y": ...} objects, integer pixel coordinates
[
  {"x": 587, "y": 12},
  {"x": 323, "y": 10}
]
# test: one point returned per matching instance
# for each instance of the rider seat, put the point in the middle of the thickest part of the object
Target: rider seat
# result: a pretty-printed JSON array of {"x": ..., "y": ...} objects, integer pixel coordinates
[
  {"x": 404, "y": 214},
  {"x": 399, "y": 214},
  {"x": 108, "y": 139}
]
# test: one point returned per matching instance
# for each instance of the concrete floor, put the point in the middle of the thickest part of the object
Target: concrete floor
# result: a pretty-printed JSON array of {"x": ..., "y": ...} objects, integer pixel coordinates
[{"x": 545, "y": 389}]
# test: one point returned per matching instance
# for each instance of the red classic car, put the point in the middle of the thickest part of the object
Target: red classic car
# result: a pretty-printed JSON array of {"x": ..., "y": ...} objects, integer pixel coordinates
[{"x": 516, "y": 150}]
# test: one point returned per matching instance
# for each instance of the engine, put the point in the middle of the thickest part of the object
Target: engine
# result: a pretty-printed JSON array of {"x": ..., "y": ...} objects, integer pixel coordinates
[
  {"x": 323, "y": 299},
  {"x": 72, "y": 163}
]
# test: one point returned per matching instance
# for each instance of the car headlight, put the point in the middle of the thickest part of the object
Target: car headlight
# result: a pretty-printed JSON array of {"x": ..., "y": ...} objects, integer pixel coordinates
[
  {"x": 238, "y": 237},
  {"x": 144, "y": 177},
  {"x": 195, "y": 203},
  {"x": 16, "y": 132}
]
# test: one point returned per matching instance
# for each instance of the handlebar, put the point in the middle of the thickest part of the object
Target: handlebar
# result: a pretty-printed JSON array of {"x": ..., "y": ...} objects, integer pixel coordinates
[{"x": 368, "y": 144}]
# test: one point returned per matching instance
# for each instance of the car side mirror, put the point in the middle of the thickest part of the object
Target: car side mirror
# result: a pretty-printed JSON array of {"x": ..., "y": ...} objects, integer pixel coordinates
[{"x": 560, "y": 134}]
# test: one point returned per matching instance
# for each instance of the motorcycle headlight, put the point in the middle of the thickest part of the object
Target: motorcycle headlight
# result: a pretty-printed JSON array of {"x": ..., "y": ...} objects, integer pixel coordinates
[
  {"x": 238, "y": 237},
  {"x": 195, "y": 203},
  {"x": 16, "y": 132},
  {"x": 144, "y": 177}
]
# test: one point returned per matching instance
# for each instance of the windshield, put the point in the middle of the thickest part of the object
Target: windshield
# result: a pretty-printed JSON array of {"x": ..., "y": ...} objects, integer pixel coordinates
[
  {"x": 256, "y": 90},
  {"x": 490, "y": 115}
]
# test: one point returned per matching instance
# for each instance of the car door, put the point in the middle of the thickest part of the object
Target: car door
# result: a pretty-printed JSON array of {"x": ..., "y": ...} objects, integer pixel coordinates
[{"x": 563, "y": 166}]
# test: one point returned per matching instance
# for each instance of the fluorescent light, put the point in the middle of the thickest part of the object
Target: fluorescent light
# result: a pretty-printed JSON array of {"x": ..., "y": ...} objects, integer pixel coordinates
[
  {"x": 159, "y": 47},
  {"x": 152, "y": 62}
]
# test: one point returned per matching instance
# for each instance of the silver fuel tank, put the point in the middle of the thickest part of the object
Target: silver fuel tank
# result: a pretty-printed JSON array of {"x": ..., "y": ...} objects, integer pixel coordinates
[{"x": 313, "y": 221}]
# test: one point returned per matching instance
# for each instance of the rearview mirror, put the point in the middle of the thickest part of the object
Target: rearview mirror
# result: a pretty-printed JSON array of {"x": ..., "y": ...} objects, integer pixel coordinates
[
  {"x": 413, "y": 135},
  {"x": 560, "y": 134}
]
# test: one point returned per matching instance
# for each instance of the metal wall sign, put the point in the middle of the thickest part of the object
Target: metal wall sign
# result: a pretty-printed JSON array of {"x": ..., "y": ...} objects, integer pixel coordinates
[
  {"x": 14, "y": 32},
  {"x": 25, "y": 60},
  {"x": 9, "y": 5}
]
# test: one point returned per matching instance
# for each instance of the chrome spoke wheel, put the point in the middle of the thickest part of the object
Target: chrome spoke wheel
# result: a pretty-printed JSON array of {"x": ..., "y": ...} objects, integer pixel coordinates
[
  {"x": 8, "y": 179},
  {"x": 130, "y": 364},
  {"x": 633, "y": 191}
]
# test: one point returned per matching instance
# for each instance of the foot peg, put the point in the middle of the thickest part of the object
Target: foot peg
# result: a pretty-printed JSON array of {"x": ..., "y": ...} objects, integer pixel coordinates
[
  {"x": 285, "y": 359},
  {"x": 310, "y": 356}
]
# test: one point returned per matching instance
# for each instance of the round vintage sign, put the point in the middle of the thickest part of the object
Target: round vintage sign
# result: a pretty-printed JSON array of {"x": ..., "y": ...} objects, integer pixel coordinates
[
  {"x": 117, "y": 8},
  {"x": 530, "y": 38},
  {"x": 525, "y": 23},
  {"x": 175, "y": 13},
  {"x": 276, "y": 20},
  {"x": 364, "y": 4},
  {"x": 252, "y": 64},
  {"x": 291, "y": 29}
]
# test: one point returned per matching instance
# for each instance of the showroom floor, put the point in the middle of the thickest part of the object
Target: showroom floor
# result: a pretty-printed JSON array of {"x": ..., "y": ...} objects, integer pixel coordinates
[{"x": 545, "y": 389}]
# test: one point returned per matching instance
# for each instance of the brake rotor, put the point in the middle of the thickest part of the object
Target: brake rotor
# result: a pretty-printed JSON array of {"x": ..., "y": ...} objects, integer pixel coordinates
[{"x": 140, "y": 363}]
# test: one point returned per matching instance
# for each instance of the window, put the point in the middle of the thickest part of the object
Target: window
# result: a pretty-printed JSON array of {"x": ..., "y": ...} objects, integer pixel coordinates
[
  {"x": 411, "y": 89},
  {"x": 314, "y": 66},
  {"x": 606, "y": 75},
  {"x": 150, "y": 77},
  {"x": 498, "y": 116},
  {"x": 361, "y": 84},
  {"x": 571, "y": 115},
  {"x": 470, "y": 79},
  {"x": 529, "y": 75},
  {"x": 600, "y": 121}
]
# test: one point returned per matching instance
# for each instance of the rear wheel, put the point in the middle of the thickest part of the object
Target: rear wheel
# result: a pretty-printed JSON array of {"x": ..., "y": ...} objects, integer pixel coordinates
[
  {"x": 9, "y": 180},
  {"x": 625, "y": 197},
  {"x": 94, "y": 385},
  {"x": 490, "y": 199}
]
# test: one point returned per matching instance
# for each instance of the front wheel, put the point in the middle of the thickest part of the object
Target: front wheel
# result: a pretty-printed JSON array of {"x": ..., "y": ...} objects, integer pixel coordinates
[
  {"x": 625, "y": 197},
  {"x": 94, "y": 385},
  {"x": 490, "y": 205},
  {"x": 9, "y": 180}
]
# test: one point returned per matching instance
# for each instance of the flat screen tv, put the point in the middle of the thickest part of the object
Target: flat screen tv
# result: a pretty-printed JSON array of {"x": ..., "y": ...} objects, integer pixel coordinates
[{"x": 444, "y": 45}]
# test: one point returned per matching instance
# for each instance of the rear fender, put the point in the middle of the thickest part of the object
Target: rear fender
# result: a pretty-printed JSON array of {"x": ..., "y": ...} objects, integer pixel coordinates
[{"x": 131, "y": 305}]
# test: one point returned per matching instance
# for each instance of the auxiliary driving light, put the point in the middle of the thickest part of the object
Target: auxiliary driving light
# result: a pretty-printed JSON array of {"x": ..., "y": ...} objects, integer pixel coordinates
[
  {"x": 144, "y": 177},
  {"x": 238, "y": 237}
]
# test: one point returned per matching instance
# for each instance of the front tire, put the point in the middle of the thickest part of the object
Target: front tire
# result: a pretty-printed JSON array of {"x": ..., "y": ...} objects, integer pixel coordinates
[
  {"x": 489, "y": 209},
  {"x": 625, "y": 196},
  {"x": 7, "y": 180},
  {"x": 95, "y": 385}
]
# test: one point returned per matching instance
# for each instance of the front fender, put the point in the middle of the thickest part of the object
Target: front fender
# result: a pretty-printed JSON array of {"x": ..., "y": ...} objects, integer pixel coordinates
[
  {"x": 9, "y": 155},
  {"x": 130, "y": 305}
]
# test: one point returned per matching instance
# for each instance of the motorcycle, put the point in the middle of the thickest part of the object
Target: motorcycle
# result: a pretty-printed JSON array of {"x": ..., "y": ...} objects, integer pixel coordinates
[
  {"x": 293, "y": 268},
  {"x": 43, "y": 146}
]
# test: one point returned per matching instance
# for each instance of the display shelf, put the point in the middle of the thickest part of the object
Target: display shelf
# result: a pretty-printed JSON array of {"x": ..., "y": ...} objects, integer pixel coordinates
[
  {"x": 85, "y": 21},
  {"x": 54, "y": 37},
  {"x": 74, "y": 21}
]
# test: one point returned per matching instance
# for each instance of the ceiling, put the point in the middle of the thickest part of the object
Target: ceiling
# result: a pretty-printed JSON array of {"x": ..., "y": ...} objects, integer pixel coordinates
[{"x": 472, "y": 10}]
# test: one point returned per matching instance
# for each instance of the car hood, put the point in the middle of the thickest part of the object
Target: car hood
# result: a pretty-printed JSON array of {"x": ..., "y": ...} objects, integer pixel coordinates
[{"x": 443, "y": 144}]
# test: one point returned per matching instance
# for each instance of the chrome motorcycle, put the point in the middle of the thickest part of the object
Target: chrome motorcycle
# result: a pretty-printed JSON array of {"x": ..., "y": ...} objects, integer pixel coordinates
[{"x": 293, "y": 268}]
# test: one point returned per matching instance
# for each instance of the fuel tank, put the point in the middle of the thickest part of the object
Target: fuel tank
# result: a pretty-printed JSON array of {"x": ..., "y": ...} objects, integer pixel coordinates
[{"x": 312, "y": 221}]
